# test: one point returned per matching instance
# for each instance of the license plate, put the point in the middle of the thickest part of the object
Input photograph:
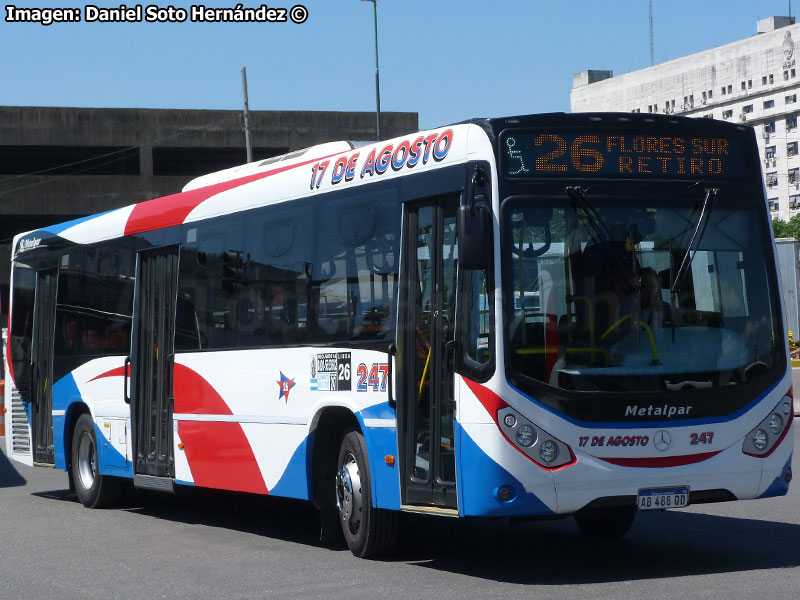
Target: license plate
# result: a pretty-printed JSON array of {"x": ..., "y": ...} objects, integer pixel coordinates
[{"x": 659, "y": 499}]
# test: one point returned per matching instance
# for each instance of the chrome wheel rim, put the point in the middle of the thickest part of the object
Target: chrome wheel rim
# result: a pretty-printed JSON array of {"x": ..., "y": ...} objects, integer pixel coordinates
[
  {"x": 87, "y": 465},
  {"x": 348, "y": 493}
]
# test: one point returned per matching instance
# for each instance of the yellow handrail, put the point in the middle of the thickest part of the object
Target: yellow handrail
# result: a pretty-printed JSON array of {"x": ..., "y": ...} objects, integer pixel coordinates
[
  {"x": 424, "y": 373},
  {"x": 646, "y": 328}
]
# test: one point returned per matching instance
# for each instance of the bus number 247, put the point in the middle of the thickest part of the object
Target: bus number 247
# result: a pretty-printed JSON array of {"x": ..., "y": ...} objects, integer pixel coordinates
[{"x": 373, "y": 377}]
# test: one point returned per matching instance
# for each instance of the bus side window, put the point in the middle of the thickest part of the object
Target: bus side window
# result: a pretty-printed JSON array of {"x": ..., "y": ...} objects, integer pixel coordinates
[
  {"x": 355, "y": 272},
  {"x": 273, "y": 306},
  {"x": 210, "y": 280}
]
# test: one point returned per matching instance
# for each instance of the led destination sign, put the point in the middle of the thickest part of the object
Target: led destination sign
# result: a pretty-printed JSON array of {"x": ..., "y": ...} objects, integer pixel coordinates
[{"x": 533, "y": 154}]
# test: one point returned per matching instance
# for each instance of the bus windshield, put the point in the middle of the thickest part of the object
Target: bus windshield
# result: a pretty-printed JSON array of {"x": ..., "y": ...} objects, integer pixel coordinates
[{"x": 597, "y": 300}]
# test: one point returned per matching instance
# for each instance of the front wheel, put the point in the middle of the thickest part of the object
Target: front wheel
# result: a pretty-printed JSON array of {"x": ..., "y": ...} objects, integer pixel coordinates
[
  {"x": 606, "y": 523},
  {"x": 93, "y": 489},
  {"x": 369, "y": 531}
]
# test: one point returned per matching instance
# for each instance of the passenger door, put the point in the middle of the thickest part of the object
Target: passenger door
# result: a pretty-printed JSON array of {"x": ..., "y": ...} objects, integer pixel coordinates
[
  {"x": 152, "y": 360},
  {"x": 426, "y": 405},
  {"x": 42, "y": 366}
]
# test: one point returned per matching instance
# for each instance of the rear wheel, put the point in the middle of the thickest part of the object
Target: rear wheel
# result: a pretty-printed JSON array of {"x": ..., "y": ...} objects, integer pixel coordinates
[
  {"x": 368, "y": 531},
  {"x": 93, "y": 489},
  {"x": 606, "y": 523}
]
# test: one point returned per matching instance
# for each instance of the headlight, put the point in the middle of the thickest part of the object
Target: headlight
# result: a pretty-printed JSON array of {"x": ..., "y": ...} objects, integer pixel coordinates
[
  {"x": 775, "y": 423},
  {"x": 760, "y": 439},
  {"x": 548, "y": 451},
  {"x": 526, "y": 436},
  {"x": 765, "y": 437},
  {"x": 533, "y": 441}
]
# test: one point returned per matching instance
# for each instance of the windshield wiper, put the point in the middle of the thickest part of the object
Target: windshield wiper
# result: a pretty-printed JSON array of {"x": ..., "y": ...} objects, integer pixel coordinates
[
  {"x": 601, "y": 234},
  {"x": 579, "y": 200},
  {"x": 691, "y": 249}
]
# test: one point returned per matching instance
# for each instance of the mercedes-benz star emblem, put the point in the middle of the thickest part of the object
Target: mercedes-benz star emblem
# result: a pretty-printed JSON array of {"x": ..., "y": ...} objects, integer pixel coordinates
[{"x": 662, "y": 440}]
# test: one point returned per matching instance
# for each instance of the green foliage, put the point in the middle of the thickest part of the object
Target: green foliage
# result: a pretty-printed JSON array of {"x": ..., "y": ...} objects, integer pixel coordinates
[{"x": 784, "y": 229}]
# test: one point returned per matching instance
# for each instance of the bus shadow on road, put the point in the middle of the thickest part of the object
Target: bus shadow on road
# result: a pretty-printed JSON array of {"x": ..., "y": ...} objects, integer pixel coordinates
[
  {"x": 661, "y": 545},
  {"x": 9, "y": 476}
]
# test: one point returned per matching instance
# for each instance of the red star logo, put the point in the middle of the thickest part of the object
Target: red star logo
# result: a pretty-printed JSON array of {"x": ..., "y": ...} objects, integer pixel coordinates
[{"x": 285, "y": 384}]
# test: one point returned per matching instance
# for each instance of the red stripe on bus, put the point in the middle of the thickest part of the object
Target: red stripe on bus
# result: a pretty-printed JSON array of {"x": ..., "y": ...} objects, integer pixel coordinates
[
  {"x": 194, "y": 395},
  {"x": 117, "y": 372},
  {"x": 173, "y": 209},
  {"x": 660, "y": 462},
  {"x": 220, "y": 456},
  {"x": 491, "y": 401},
  {"x": 9, "y": 356}
]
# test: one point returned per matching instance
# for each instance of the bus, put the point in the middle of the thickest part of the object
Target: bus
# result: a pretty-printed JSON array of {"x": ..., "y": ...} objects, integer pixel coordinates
[{"x": 530, "y": 317}]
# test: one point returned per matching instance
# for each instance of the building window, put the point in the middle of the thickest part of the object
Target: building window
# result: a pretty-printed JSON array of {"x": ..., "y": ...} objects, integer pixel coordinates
[
  {"x": 747, "y": 109},
  {"x": 723, "y": 91},
  {"x": 769, "y": 152},
  {"x": 727, "y": 114},
  {"x": 709, "y": 116},
  {"x": 649, "y": 108},
  {"x": 771, "y": 79},
  {"x": 764, "y": 80},
  {"x": 774, "y": 205},
  {"x": 794, "y": 175},
  {"x": 744, "y": 86},
  {"x": 791, "y": 122},
  {"x": 772, "y": 179},
  {"x": 769, "y": 104},
  {"x": 791, "y": 149},
  {"x": 730, "y": 89},
  {"x": 710, "y": 94},
  {"x": 769, "y": 127},
  {"x": 791, "y": 99},
  {"x": 794, "y": 201},
  {"x": 749, "y": 83},
  {"x": 786, "y": 75},
  {"x": 793, "y": 72}
]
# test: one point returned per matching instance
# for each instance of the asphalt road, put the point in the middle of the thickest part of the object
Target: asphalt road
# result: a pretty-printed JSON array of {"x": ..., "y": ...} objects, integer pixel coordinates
[{"x": 224, "y": 545}]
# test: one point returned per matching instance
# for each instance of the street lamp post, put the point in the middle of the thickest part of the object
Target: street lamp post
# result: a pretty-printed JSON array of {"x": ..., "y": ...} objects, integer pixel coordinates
[{"x": 377, "y": 75}]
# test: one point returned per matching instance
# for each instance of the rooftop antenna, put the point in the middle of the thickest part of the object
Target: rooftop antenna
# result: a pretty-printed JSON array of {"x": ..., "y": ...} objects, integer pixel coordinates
[
  {"x": 652, "y": 51},
  {"x": 248, "y": 143}
]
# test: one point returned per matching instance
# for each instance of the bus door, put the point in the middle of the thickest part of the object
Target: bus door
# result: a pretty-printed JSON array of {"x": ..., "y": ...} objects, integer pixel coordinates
[
  {"x": 427, "y": 403},
  {"x": 44, "y": 314},
  {"x": 152, "y": 358}
]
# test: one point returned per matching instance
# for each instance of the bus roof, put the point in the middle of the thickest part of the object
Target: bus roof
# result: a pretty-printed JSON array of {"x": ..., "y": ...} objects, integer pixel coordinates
[{"x": 321, "y": 168}]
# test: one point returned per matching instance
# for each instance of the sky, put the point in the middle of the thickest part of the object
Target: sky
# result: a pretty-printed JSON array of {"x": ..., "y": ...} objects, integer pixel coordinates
[{"x": 447, "y": 60}]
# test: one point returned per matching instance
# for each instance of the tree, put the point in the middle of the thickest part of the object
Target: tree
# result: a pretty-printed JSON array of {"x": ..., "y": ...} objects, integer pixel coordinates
[{"x": 784, "y": 229}]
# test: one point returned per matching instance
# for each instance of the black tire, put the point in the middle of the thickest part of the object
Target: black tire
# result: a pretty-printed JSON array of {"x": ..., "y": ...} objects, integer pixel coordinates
[
  {"x": 93, "y": 490},
  {"x": 368, "y": 531},
  {"x": 606, "y": 523}
]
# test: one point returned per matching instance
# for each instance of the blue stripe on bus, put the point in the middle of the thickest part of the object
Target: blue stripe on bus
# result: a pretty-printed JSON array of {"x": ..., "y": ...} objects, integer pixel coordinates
[
  {"x": 110, "y": 460},
  {"x": 779, "y": 487},
  {"x": 295, "y": 481},
  {"x": 381, "y": 442},
  {"x": 639, "y": 424},
  {"x": 65, "y": 392},
  {"x": 477, "y": 493},
  {"x": 60, "y": 227},
  {"x": 379, "y": 411}
]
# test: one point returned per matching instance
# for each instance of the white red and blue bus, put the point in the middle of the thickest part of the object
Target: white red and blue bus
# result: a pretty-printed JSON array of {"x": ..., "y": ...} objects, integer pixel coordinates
[{"x": 522, "y": 317}]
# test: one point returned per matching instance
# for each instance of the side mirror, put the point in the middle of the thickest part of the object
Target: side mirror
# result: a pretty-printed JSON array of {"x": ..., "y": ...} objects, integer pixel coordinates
[{"x": 474, "y": 237}]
